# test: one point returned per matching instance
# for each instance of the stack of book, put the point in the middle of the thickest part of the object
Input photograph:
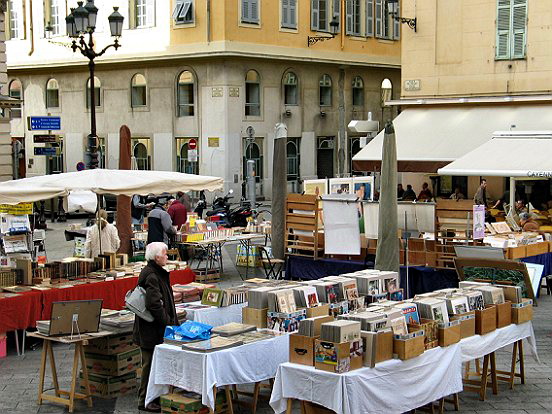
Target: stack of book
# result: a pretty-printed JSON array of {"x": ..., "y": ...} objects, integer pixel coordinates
[
  {"x": 234, "y": 296},
  {"x": 312, "y": 326},
  {"x": 233, "y": 328},
  {"x": 328, "y": 292},
  {"x": 433, "y": 308},
  {"x": 282, "y": 301},
  {"x": 258, "y": 297},
  {"x": 340, "y": 331},
  {"x": 306, "y": 296}
]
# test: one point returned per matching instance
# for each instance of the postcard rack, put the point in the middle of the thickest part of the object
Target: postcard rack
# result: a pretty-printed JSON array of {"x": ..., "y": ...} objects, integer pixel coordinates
[{"x": 304, "y": 236}]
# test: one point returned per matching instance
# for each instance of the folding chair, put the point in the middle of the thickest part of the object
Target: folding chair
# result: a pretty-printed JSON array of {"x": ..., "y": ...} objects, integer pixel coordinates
[{"x": 272, "y": 267}]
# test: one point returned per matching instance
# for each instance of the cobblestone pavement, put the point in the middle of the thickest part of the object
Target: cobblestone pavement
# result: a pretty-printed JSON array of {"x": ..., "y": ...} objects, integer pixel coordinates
[{"x": 19, "y": 374}]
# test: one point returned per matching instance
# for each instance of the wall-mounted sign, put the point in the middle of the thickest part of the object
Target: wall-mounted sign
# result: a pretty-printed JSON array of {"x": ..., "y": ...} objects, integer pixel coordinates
[
  {"x": 20, "y": 209},
  {"x": 192, "y": 144},
  {"x": 412, "y": 85},
  {"x": 45, "y": 138},
  {"x": 45, "y": 151},
  {"x": 213, "y": 141},
  {"x": 233, "y": 92},
  {"x": 192, "y": 155},
  {"x": 217, "y": 92},
  {"x": 44, "y": 123}
]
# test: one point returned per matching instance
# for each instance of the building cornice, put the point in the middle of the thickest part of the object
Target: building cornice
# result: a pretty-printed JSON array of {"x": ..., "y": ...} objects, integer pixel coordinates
[
  {"x": 214, "y": 50},
  {"x": 473, "y": 100}
]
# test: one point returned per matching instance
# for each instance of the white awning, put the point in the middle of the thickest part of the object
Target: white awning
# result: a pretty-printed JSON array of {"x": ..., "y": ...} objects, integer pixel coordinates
[
  {"x": 522, "y": 154},
  {"x": 429, "y": 138}
]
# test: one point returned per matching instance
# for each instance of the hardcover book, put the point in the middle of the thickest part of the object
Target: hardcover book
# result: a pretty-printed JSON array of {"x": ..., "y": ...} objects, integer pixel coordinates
[{"x": 212, "y": 297}]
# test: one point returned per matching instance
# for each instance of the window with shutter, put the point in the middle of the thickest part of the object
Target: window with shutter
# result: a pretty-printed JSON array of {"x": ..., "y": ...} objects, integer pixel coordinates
[
  {"x": 245, "y": 10},
  {"x": 519, "y": 19},
  {"x": 349, "y": 17},
  {"x": 369, "y": 17},
  {"x": 250, "y": 11},
  {"x": 184, "y": 12},
  {"x": 285, "y": 13},
  {"x": 150, "y": 13},
  {"x": 379, "y": 21},
  {"x": 323, "y": 15},
  {"x": 396, "y": 24},
  {"x": 315, "y": 13},
  {"x": 511, "y": 29},
  {"x": 336, "y": 13},
  {"x": 293, "y": 13}
]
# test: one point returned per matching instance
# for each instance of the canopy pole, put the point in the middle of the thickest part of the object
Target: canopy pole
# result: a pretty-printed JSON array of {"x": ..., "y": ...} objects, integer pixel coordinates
[
  {"x": 98, "y": 222},
  {"x": 512, "y": 192}
]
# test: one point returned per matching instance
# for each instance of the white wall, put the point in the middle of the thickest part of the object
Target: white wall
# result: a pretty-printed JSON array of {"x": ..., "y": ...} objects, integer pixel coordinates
[
  {"x": 163, "y": 150},
  {"x": 73, "y": 150}
]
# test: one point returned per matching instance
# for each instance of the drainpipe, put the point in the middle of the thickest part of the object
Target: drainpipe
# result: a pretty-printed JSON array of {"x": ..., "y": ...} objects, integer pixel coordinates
[
  {"x": 31, "y": 27},
  {"x": 208, "y": 21}
]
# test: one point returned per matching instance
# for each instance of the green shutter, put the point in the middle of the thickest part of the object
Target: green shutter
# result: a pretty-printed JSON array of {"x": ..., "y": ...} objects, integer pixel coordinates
[
  {"x": 519, "y": 28},
  {"x": 349, "y": 29},
  {"x": 293, "y": 13},
  {"x": 503, "y": 25},
  {"x": 379, "y": 20},
  {"x": 336, "y": 12}
]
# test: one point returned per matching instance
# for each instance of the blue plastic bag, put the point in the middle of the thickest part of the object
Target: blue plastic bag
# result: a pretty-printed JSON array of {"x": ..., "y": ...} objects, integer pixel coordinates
[{"x": 188, "y": 331}]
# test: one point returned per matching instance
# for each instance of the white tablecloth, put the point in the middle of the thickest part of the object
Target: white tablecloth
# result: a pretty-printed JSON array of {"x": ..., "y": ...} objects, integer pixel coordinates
[
  {"x": 215, "y": 316},
  {"x": 199, "y": 372},
  {"x": 478, "y": 346},
  {"x": 393, "y": 386}
]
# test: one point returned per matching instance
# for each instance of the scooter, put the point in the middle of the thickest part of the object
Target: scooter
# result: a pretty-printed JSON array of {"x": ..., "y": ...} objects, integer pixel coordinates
[{"x": 221, "y": 207}]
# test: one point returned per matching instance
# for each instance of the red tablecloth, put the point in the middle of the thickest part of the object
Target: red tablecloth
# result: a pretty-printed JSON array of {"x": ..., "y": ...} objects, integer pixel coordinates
[{"x": 23, "y": 311}]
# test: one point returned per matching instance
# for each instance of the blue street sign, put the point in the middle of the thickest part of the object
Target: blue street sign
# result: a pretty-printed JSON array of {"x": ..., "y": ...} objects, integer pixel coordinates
[
  {"x": 47, "y": 123},
  {"x": 45, "y": 151}
]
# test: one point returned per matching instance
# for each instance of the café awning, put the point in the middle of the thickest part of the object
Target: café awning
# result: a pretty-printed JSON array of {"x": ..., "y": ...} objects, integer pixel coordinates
[
  {"x": 507, "y": 154},
  {"x": 430, "y": 137}
]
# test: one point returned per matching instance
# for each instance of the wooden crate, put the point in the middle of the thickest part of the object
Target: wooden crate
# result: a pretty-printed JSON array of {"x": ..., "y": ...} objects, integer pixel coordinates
[{"x": 303, "y": 226}]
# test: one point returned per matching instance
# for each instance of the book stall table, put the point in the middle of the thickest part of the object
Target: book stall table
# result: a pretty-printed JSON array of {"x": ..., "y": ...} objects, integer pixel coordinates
[
  {"x": 200, "y": 372},
  {"x": 213, "y": 315},
  {"x": 392, "y": 386}
]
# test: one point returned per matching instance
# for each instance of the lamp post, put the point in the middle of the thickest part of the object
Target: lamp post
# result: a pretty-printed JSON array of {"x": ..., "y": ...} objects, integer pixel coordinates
[
  {"x": 334, "y": 24},
  {"x": 79, "y": 23}
]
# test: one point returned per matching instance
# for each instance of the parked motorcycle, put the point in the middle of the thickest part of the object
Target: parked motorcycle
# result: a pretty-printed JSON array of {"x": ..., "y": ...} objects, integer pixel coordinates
[
  {"x": 201, "y": 204},
  {"x": 230, "y": 217}
]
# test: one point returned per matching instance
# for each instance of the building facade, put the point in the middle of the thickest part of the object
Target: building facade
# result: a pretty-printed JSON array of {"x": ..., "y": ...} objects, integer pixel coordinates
[
  {"x": 207, "y": 70},
  {"x": 471, "y": 68},
  {"x": 6, "y": 145}
]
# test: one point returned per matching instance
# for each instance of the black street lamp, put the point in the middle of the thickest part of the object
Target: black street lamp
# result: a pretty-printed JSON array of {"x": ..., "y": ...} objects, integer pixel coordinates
[{"x": 80, "y": 22}]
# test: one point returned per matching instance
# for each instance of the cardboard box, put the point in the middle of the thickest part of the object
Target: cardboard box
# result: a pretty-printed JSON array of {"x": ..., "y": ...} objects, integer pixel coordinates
[
  {"x": 450, "y": 333},
  {"x": 522, "y": 312},
  {"x": 111, "y": 345},
  {"x": 110, "y": 387},
  {"x": 338, "y": 357},
  {"x": 409, "y": 348},
  {"x": 516, "y": 252},
  {"x": 179, "y": 404},
  {"x": 114, "y": 365},
  {"x": 301, "y": 349},
  {"x": 252, "y": 316},
  {"x": 379, "y": 349},
  {"x": 321, "y": 310},
  {"x": 467, "y": 323},
  {"x": 536, "y": 249},
  {"x": 430, "y": 328},
  {"x": 503, "y": 314},
  {"x": 485, "y": 320}
]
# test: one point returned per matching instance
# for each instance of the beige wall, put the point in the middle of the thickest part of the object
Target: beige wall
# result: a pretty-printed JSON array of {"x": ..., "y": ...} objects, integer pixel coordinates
[
  {"x": 453, "y": 51},
  {"x": 6, "y": 161}
]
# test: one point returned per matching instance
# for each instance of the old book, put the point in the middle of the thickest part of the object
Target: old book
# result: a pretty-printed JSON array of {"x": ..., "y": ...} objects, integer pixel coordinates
[
  {"x": 398, "y": 325},
  {"x": 410, "y": 312},
  {"x": 233, "y": 328},
  {"x": 512, "y": 293},
  {"x": 211, "y": 345},
  {"x": 457, "y": 304},
  {"x": 492, "y": 295}
]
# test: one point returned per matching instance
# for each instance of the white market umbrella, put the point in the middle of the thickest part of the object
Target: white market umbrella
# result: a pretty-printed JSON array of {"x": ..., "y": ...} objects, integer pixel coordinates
[{"x": 100, "y": 181}]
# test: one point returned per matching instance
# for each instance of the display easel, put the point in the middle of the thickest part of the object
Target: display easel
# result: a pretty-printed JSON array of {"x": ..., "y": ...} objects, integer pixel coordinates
[{"x": 65, "y": 397}]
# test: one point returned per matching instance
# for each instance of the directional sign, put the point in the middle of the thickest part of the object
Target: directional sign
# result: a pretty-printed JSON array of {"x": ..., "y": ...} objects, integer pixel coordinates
[
  {"x": 192, "y": 155},
  {"x": 45, "y": 123},
  {"x": 44, "y": 138},
  {"x": 192, "y": 144},
  {"x": 45, "y": 151}
]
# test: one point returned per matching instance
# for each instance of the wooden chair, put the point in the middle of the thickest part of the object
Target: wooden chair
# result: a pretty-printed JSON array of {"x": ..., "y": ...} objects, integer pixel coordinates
[{"x": 272, "y": 267}]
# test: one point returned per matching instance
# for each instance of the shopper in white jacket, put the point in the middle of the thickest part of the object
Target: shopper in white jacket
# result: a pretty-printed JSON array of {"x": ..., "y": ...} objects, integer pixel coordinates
[{"x": 110, "y": 238}]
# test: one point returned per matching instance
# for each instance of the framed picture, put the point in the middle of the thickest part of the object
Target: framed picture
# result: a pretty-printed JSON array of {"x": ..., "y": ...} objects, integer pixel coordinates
[
  {"x": 363, "y": 187},
  {"x": 315, "y": 187},
  {"x": 341, "y": 186}
]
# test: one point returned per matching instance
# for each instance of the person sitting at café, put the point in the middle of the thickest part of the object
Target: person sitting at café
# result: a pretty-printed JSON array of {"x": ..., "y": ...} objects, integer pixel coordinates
[
  {"x": 409, "y": 194},
  {"x": 400, "y": 191},
  {"x": 425, "y": 194},
  {"x": 528, "y": 223},
  {"x": 457, "y": 195}
]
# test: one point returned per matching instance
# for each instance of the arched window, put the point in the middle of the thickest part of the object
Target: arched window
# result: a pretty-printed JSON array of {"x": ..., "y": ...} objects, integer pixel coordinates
[
  {"x": 140, "y": 153},
  {"x": 358, "y": 91},
  {"x": 97, "y": 92},
  {"x": 325, "y": 90},
  {"x": 252, "y": 94},
  {"x": 52, "y": 94},
  {"x": 16, "y": 92},
  {"x": 386, "y": 91},
  {"x": 138, "y": 95},
  {"x": 290, "y": 89},
  {"x": 185, "y": 94},
  {"x": 292, "y": 154},
  {"x": 254, "y": 152},
  {"x": 184, "y": 165}
]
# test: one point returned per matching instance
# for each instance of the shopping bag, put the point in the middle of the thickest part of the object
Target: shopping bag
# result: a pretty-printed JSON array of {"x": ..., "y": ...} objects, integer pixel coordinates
[{"x": 189, "y": 330}]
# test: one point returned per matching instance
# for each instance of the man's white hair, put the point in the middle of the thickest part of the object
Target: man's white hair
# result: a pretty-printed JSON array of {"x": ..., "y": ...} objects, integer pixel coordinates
[{"x": 155, "y": 249}]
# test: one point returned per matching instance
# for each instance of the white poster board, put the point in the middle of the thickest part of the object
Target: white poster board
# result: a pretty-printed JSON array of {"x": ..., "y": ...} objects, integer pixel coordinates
[
  {"x": 341, "y": 228},
  {"x": 419, "y": 217}
]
